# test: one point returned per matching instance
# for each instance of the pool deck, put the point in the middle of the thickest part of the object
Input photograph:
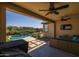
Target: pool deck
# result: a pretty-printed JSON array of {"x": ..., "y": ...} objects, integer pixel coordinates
[{"x": 34, "y": 43}]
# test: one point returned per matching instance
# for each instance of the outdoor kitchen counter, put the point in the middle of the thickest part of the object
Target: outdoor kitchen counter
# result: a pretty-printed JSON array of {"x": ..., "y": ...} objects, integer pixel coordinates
[
  {"x": 74, "y": 41},
  {"x": 66, "y": 45}
]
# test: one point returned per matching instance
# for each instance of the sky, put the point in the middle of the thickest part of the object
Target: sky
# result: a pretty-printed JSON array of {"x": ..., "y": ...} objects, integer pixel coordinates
[{"x": 14, "y": 19}]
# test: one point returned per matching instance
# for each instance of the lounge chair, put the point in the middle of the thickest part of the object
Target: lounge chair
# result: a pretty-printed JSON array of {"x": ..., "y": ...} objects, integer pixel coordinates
[{"x": 14, "y": 48}]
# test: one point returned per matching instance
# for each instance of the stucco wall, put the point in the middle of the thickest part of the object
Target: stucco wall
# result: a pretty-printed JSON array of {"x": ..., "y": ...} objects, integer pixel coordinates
[{"x": 75, "y": 27}]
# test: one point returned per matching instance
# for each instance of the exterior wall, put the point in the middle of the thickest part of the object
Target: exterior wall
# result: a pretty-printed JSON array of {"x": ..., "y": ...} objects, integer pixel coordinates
[
  {"x": 68, "y": 46},
  {"x": 75, "y": 27}
]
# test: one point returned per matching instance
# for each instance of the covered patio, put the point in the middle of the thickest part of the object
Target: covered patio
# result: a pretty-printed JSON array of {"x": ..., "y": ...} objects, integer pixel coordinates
[{"x": 49, "y": 48}]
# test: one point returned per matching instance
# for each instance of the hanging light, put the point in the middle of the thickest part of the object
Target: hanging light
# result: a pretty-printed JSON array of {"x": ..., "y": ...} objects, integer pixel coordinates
[{"x": 65, "y": 18}]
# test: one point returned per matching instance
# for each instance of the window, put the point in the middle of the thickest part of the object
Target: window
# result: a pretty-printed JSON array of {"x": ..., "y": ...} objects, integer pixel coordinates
[{"x": 45, "y": 27}]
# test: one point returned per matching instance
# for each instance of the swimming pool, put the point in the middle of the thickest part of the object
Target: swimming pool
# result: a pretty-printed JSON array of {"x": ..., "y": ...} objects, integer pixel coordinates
[{"x": 19, "y": 36}]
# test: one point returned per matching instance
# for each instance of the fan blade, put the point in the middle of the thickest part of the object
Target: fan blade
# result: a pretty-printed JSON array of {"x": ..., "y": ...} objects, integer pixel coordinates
[
  {"x": 43, "y": 10},
  {"x": 47, "y": 13},
  {"x": 62, "y": 7}
]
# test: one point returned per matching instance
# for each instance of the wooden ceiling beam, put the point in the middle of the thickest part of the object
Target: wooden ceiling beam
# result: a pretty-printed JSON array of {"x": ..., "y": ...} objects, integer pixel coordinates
[{"x": 26, "y": 11}]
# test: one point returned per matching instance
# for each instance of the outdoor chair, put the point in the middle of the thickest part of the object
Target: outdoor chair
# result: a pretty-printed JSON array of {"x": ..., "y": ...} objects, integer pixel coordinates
[{"x": 14, "y": 48}]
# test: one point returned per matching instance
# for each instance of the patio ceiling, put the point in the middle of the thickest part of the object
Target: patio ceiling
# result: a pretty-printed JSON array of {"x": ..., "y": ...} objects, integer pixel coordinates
[{"x": 36, "y": 6}]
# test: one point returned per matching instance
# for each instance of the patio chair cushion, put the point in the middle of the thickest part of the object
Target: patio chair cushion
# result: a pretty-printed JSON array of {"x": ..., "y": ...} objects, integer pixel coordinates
[
  {"x": 21, "y": 44},
  {"x": 13, "y": 53}
]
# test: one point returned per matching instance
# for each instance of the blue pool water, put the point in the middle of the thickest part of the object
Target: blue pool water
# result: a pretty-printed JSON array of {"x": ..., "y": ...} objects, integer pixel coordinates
[{"x": 19, "y": 36}]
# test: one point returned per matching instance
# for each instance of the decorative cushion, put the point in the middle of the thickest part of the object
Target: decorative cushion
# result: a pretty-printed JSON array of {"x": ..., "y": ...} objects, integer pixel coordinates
[{"x": 75, "y": 37}]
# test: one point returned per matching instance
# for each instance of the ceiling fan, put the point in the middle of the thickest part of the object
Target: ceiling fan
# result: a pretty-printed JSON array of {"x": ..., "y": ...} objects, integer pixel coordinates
[{"x": 53, "y": 9}]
